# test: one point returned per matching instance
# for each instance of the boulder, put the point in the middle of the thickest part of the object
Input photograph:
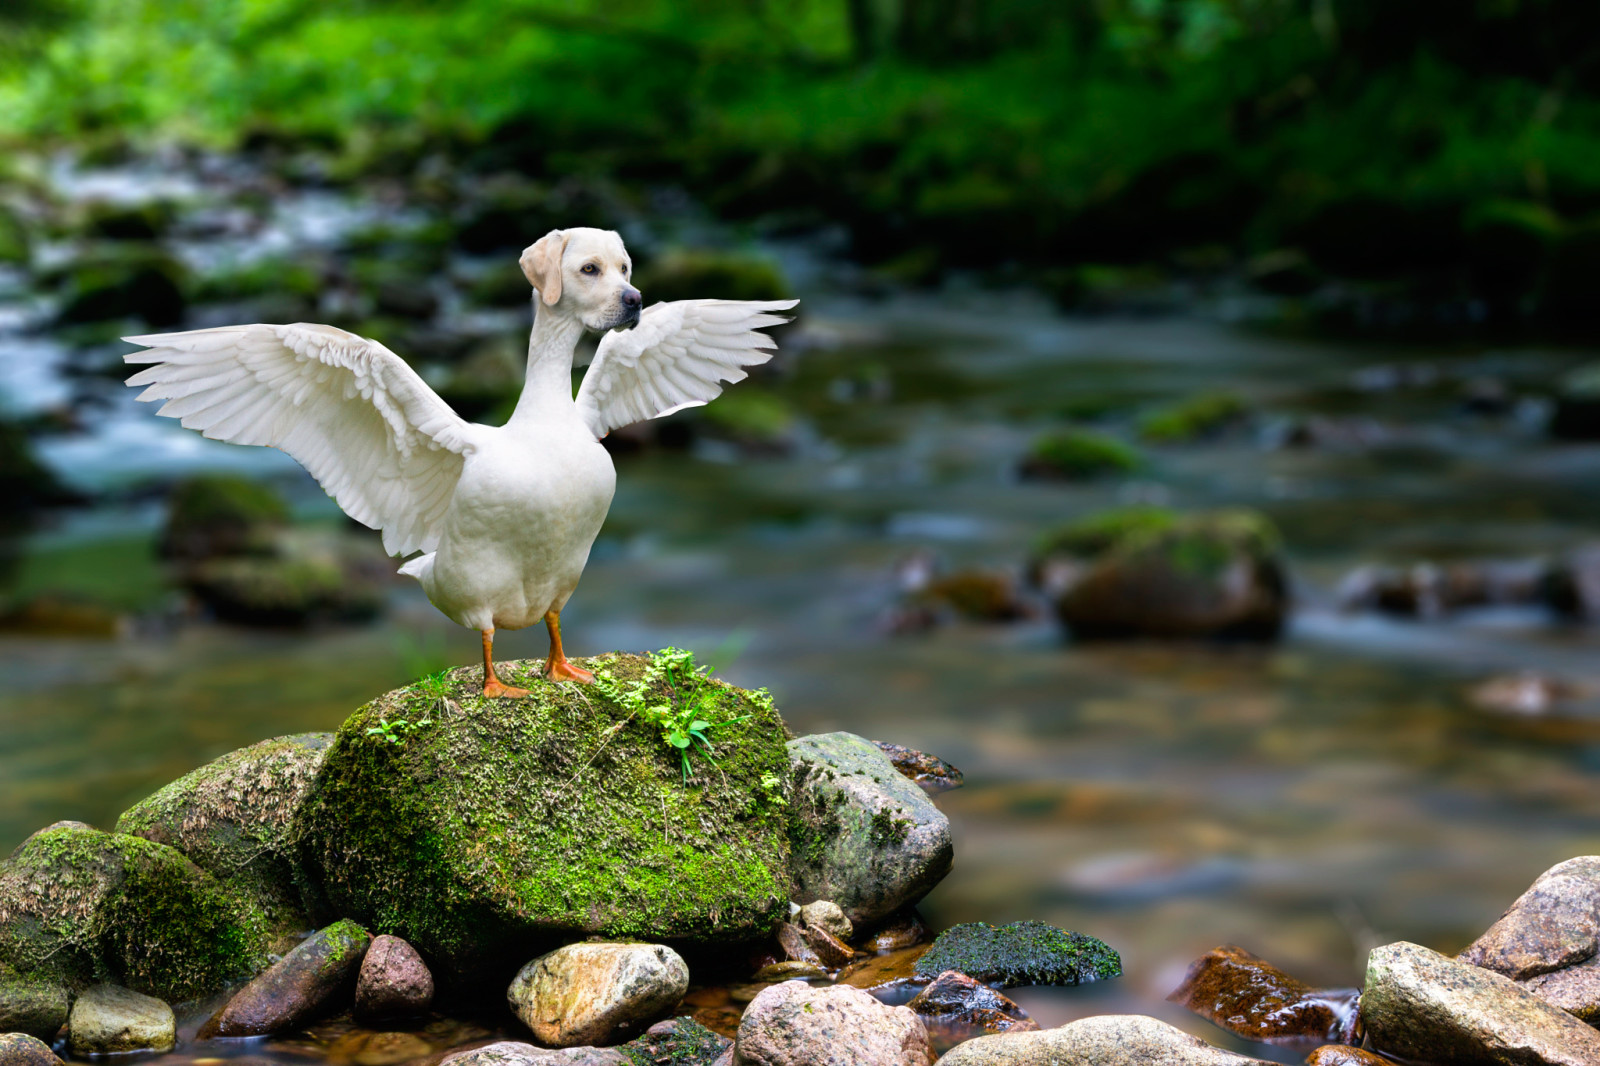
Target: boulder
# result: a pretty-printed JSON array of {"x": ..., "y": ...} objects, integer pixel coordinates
[
  {"x": 20, "y": 1049},
  {"x": 314, "y": 979},
  {"x": 930, "y": 772},
  {"x": 32, "y": 1005},
  {"x": 597, "y": 993},
  {"x": 1249, "y": 996},
  {"x": 1549, "y": 939},
  {"x": 394, "y": 982},
  {"x": 497, "y": 828},
  {"x": 1078, "y": 455},
  {"x": 210, "y": 515},
  {"x": 794, "y": 1024},
  {"x": 861, "y": 834},
  {"x": 1120, "y": 1039},
  {"x": 136, "y": 282},
  {"x": 1217, "y": 574},
  {"x": 694, "y": 273},
  {"x": 1022, "y": 953},
  {"x": 954, "y": 1000},
  {"x": 679, "y": 1041},
  {"x": 311, "y": 579},
  {"x": 1420, "y": 1004},
  {"x": 1206, "y": 414},
  {"x": 107, "y": 1019},
  {"x": 78, "y": 906},
  {"x": 232, "y": 817}
]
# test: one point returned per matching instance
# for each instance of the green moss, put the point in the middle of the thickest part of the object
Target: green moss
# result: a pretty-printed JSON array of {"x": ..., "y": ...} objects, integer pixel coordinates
[
  {"x": 232, "y": 818},
  {"x": 886, "y": 829},
  {"x": 83, "y": 906},
  {"x": 689, "y": 1044},
  {"x": 508, "y": 824},
  {"x": 1088, "y": 537},
  {"x": 751, "y": 413},
  {"x": 703, "y": 273},
  {"x": 1022, "y": 953},
  {"x": 1076, "y": 454},
  {"x": 1198, "y": 416}
]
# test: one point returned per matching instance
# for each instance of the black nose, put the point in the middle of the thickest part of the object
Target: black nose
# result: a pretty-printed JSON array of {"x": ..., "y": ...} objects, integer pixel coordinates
[{"x": 631, "y": 299}]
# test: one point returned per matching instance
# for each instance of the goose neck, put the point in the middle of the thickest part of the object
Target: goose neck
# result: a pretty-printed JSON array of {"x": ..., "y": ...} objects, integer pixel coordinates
[{"x": 548, "y": 387}]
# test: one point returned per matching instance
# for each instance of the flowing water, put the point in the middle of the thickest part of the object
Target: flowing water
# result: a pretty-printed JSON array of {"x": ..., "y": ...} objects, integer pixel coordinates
[{"x": 1306, "y": 801}]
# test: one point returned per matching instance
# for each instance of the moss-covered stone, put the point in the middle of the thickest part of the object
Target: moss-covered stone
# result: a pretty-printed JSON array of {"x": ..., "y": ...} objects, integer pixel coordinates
[
  {"x": 32, "y": 1005},
  {"x": 705, "y": 273},
  {"x": 497, "y": 828},
  {"x": 1215, "y": 574},
  {"x": 1077, "y": 454},
  {"x": 1022, "y": 953},
  {"x": 232, "y": 818},
  {"x": 137, "y": 283},
  {"x": 291, "y": 589},
  {"x": 81, "y": 906},
  {"x": 1198, "y": 416},
  {"x": 221, "y": 514},
  {"x": 1087, "y": 537}
]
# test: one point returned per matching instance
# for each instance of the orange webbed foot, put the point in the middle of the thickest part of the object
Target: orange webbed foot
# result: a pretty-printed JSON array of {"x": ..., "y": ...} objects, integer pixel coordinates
[
  {"x": 495, "y": 689},
  {"x": 562, "y": 670}
]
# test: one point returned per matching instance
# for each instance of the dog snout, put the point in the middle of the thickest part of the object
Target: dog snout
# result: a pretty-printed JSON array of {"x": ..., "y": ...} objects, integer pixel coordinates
[{"x": 631, "y": 299}]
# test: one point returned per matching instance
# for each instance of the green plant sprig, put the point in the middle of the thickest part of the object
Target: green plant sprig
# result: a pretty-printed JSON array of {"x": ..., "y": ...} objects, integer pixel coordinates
[{"x": 684, "y": 716}]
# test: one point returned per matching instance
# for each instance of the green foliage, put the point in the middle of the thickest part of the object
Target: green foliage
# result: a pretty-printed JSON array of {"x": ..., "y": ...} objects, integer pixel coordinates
[
  {"x": 1075, "y": 454},
  {"x": 1088, "y": 537},
  {"x": 395, "y": 732},
  {"x": 676, "y": 697}
]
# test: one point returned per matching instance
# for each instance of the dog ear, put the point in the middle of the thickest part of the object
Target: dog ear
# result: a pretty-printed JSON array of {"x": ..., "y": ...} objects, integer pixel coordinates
[{"x": 541, "y": 262}]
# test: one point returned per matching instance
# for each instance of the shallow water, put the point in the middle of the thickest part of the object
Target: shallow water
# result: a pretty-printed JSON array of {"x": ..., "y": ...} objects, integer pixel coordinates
[{"x": 1305, "y": 801}]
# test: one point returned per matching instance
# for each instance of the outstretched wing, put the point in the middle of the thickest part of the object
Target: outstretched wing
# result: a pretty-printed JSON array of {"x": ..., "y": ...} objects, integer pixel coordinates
[
  {"x": 349, "y": 410},
  {"x": 677, "y": 356}
]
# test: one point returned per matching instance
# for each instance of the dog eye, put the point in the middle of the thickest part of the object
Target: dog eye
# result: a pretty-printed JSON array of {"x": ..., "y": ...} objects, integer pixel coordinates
[{"x": 590, "y": 268}]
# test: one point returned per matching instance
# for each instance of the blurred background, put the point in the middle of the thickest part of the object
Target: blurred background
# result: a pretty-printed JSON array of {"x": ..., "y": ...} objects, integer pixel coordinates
[{"x": 1191, "y": 428}]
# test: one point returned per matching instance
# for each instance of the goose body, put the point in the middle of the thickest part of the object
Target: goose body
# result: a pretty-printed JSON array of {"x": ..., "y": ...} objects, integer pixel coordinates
[{"x": 499, "y": 519}]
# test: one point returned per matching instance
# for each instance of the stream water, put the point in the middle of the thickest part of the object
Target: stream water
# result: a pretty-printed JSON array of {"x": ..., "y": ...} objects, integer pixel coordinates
[{"x": 1306, "y": 801}]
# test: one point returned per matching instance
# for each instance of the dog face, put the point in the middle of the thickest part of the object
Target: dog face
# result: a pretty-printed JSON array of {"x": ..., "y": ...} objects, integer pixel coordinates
[{"x": 584, "y": 272}]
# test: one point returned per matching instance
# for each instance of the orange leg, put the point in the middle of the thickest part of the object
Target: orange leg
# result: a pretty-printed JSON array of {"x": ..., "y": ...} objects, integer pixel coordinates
[
  {"x": 492, "y": 686},
  {"x": 557, "y": 668}
]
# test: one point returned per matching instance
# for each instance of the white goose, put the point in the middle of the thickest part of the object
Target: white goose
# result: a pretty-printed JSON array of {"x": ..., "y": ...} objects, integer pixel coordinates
[{"x": 504, "y": 516}]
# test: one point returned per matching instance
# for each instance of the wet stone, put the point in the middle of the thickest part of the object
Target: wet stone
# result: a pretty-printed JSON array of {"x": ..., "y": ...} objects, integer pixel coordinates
[
  {"x": 903, "y": 930},
  {"x": 1343, "y": 1055},
  {"x": 825, "y": 915},
  {"x": 394, "y": 982},
  {"x": 315, "y": 978},
  {"x": 31, "y": 1005},
  {"x": 931, "y": 773},
  {"x": 597, "y": 993},
  {"x": 1249, "y": 996},
  {"x": 881, "y": 971},
  {"x": 957, "y": 1004},
  {"x": 108, "y": 1019},
  {"x": 794, "y": 1024},
  {"x": 1549, "y": 939},
  {"x": 1422, "y": 1005},
  {"x": 1112, "y": 1039},
  {"x": 513, "y": 1053},
  {"x": 796, "y": 948},
  {"x": 1022, "y": 953},
  {"x": 20, "y": 1049},
  {"x": 378, "y": 1049}
]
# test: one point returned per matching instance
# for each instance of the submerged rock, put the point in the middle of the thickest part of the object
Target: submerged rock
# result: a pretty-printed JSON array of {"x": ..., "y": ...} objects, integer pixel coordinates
[
  {"x": 513, "y": 1053},
  {"x": 956, "y": 1000},
  {"x": 316, "y": 978},
  {"x": 32, "y": 1005},
  {"x": 794, "y": 1024},
  {"x": 108, "y": 1019},
  {"x": 861, "y": 834},
  {"x": 1428, "y": 590},
  {"x": 78, "y": 905},
  {"x": 1155, "y": 574},
  {"x": 1420, "y": 1004},
  {"x": 903, "y": 929},
  {"x": 494, "y": 828},
  {"x": 1549, "y": 940},
  {"x": 394, "y": 982},
  {"x": 1120, "y": 1039},
  {"x": 597, "y": 993},
  {"x": 1344, "y": 1055},
  {"x": 1249, "y": 996},
  {"x": 20, "y": 1049},
  {"x": 931, "y": 773},
  {"x": 1022, "y": 953},
  {"x": 233, "y": 818}
]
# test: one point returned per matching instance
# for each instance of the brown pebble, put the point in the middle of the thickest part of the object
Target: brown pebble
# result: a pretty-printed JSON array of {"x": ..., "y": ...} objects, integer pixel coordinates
[
  {"x": 394, "y": 981},
  {"x": 1343, "y": 1055}
]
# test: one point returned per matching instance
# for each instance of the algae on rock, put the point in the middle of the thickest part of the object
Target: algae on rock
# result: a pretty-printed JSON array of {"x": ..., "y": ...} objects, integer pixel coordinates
[
  {"x": 82, "y": 906},
  {"x": 504, "y": 826},
  {"x": 1022, "y": 953},
  {"x": 233, "y": 818}
]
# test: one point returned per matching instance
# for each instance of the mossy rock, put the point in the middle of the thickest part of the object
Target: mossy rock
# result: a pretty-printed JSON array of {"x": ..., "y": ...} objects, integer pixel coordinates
[
  {"x": 32, "y": 1005},
  {"x": 704, "y": 273},
  {"x": 232, "y": 818},
  {"x": 1076, "y": 455},
  {"x": 1204, "y": 415},
  {"x": 753, "y": 417},
  {"x": 1214, "y": 574},
  {"x": 221, "y": 514},
  {"x": 128, "y": 222},
  {"x": 1022, "y": 953},
  {"x": 1087, "y": 537},
  {"x": 15, "y": 245},
  {"x": 284, "y": 591},
  {"x": 486, "y": 832},
  {"x": 81, "y": 906}
]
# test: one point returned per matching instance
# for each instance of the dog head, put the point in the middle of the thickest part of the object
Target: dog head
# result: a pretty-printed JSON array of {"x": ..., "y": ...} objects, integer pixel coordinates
[{"x": 584, "y": 272}]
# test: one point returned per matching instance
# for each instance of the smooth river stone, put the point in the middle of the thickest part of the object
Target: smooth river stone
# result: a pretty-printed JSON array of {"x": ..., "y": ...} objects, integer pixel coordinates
[
  {"x": 20, "y": 1049},
  {"x": 315, "y": 978},
  {"x": 393, "y": 982},
  {"x": 1107, "y": 1040},
  {"x": 108, "y": 1019},
  {"x": 795, "y": 1024},
  {"x": 597, "y": 993},
  {"x": 1420, "y": 1004},
  {"x": 1249, "y": 996}
]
